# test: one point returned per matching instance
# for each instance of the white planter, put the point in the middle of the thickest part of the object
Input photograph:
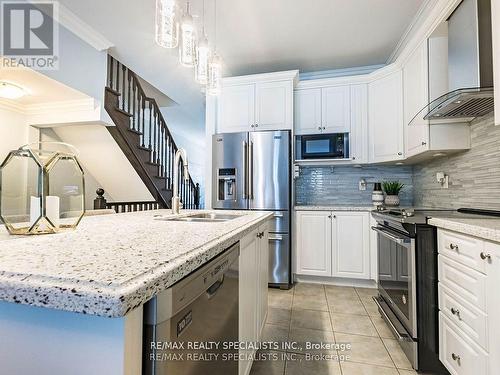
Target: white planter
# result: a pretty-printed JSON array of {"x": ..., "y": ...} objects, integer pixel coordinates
[{"x": 392, "y": 200}]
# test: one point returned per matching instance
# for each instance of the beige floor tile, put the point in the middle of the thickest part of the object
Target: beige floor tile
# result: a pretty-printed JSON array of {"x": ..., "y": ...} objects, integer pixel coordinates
[
  {"x": 346, "y": 306},
  {"x": 280, "y": 300},
  {"x": 271, "y": 363},
  {"x": 302, "y": 336},
  {"x": 353, "y": 324},
  {"x": 370, "y": 306},
  {"x": 366, "y": 292},
  {"x": 351, "y": 368},
  {"x": 407, "y": 372},
  {"x": 280, "y": 291},
  {"x": 364, "y": 349},
  {"x": 301, "y": 366},
  {"x": 397, "y": 354},
  {"x": 310, "y": 302},
  {"x": 382, "y": 327},
  {"x": 345, "y": 292},
  {"x": 279, "y": 316},
  {"x": 275, "y": 333},
  {"x": 311, "y": 319},
  {"x": 309, "y": 289}
]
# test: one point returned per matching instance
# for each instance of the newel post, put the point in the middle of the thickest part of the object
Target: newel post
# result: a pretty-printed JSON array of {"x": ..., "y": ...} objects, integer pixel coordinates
[{"x": 100, "y": 201}]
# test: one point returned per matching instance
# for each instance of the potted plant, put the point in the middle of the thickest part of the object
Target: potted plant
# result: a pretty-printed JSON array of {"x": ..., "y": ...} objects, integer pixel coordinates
[{"x": 392, "y": 189}]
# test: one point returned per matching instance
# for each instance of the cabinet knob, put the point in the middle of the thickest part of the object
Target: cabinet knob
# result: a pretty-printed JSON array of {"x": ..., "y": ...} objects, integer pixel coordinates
[
  {"x": 455, "y": 311},
  {"x": 256, "y": 125},
  {"x": 354, "y": 158},
  {"x": 400, "y": 153},
  {"x": 329, "y": 216},
  {"x": 485, "y": 256},
  {"x": 424, "y": 143},
  {"x": 319, "y": 127},
  {"x": 453, "y": 246},
  {"x": 252, "y": 125},
  {"x": 455, "y": 357},
  {"x": 324, "y": 128}
]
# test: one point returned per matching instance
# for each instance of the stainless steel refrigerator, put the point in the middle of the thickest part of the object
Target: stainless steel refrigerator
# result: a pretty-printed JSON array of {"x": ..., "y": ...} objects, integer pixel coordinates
[{"x": 251, "y": 171}]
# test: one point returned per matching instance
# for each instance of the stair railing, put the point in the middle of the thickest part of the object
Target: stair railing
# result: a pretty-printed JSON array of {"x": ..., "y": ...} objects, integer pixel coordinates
[{"x": 148, "y": 122}]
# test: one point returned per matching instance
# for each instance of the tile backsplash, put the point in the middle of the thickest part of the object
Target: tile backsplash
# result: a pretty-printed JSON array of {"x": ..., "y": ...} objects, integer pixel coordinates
[
  {"x": 338, "y": 185},
  {"x": 474, "y": 175}
]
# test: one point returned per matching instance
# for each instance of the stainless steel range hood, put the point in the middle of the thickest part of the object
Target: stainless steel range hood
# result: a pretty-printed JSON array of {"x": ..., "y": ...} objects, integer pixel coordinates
[{"x": 470, "y": 67}]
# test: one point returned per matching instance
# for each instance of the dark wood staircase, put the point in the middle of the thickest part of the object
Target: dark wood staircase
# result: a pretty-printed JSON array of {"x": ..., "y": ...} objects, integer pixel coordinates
[{"x": 142, "y": 134}]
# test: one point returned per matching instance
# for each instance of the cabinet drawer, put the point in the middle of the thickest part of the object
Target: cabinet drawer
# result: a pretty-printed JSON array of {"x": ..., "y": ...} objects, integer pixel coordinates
[
  {"x": 467, "y": 283},
  {"x": 459, "y": 354},
  {"x": 463, "y": 249},
  {"x": 468, "y": 318}
]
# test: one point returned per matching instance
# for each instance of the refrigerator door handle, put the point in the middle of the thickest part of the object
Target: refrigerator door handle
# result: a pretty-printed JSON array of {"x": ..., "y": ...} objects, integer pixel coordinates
[
  {"x": 245, "y": 170},
  {"x": 250, "y": 171}
]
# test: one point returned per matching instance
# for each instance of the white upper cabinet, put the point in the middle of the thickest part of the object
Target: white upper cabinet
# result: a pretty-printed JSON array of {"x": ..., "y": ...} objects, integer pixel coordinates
[
  {"x": 323, "y": 110},
  {"x": 495, "y": 19},
  {"x": 359, "y": 123},
  {"x": 308, "y": 111},
  {"x": 274, "y": 105},
  {"x": 336, "y": 109},
  {"x": 385, "y": 118},
  {"x": 314, "y": 243},
  {"x": 257, "y": 102},
  {"x": 416, "y": 97},
  {"x": 237, "y": 108}
]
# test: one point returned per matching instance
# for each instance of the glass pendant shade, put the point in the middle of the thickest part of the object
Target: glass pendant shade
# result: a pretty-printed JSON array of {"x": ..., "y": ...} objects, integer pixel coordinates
[
  {"x": 215, "y": 75},
  {"x": 187, "y": 48},
  {"x": 202, "y": 61},
  {"x": 167, "y": 26}
]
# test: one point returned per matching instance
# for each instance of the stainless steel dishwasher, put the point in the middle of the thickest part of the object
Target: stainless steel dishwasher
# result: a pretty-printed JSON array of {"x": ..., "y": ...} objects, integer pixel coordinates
[{"x": 200, "y": 309}]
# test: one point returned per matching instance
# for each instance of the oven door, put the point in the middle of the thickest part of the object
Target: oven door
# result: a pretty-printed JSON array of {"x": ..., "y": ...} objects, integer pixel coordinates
[{"x": 396, "y": 275}]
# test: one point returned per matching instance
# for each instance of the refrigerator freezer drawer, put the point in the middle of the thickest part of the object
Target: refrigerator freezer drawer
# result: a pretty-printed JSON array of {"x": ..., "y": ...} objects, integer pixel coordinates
[
  {"x": 280, "y": 222},
  {"x": 279, "y": 258}
]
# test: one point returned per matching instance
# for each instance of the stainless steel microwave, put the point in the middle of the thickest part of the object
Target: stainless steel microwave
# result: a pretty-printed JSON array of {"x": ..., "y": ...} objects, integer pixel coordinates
[{"x": 322, "y": 146}]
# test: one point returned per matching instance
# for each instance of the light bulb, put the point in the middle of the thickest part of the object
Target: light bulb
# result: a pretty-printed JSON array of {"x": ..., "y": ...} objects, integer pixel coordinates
[
  {"x": 187, "y": 50},
  {"x": 167, "y": 27},
  {"x": 11, "y": 91},
  {"x": 202, "y": 60},
  {"x": 215, "y": 75}
]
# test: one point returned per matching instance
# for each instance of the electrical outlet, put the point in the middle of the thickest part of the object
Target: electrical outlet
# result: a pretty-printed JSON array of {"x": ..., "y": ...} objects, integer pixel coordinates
[{"x": 362, "y": 184}]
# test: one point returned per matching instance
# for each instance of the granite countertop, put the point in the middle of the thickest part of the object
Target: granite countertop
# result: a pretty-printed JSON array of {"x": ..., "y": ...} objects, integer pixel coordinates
[
  {"x": 488, "y": 229},
  {"x": 114, "y": 263},
  {"x": 335, "y": 208}
]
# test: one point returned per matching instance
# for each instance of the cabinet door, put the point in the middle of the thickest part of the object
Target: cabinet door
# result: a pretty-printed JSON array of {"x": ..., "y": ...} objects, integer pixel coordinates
[
  {"x": 336, "y": 109},
  {"x": 307, "y": 111},
  {"x": 263, "y": 273},
  {"x": 314, "y": 243},
  {"x": 385, "y": 118},
  {"x": 416, "y": 97},
  {"x": 274, "y": 105},
  {"x": 237, "y": 108},
  {"x": 351, "y": 245},
  {"x": 248, "y": 295},
  {"x": 495, "y": 21},
  {"x": 359, "y": 123},
  {"x": 493, "y": 298}
]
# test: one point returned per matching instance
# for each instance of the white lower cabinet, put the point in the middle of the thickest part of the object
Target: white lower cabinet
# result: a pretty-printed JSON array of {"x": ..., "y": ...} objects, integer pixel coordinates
[
  {"x": 253, "y": 280},
  {"x": 333, "y": 243},
  {"x": 469, "y": 304}
]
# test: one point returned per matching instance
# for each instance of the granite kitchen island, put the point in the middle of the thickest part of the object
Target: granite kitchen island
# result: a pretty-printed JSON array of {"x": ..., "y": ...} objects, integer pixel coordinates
[{"x": 72, "y": 302}]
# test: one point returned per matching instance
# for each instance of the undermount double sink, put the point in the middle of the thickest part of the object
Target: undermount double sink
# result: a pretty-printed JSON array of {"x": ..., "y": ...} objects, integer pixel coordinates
[{"x": 206, "y": 217}]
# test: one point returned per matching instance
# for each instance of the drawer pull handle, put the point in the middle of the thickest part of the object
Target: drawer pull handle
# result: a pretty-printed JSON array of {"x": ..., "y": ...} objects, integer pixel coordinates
[
  {"x": 485, "y": 256},
  {"x": 455, "y": 357},
  {"x": 455, "y": 311},
  {"x": 453, "y": 246}
]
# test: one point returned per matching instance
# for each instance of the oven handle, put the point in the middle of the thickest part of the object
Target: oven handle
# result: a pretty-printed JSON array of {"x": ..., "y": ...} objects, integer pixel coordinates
[
  {"x": 389, "y": 322},
  {"x": 398, "y": 240}
]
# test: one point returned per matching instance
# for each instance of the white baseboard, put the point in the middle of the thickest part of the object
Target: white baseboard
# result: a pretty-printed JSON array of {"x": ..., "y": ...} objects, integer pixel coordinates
[{"x": 335, "y": 281}]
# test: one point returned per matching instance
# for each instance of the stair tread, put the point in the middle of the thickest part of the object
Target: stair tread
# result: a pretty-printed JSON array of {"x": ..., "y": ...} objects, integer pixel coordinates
[
  {"x": 144, "y": 148},
  {"x": 113, "y": 91},
  {"x": 123, "y": 111},
  {"x": 134, "y": 131}
]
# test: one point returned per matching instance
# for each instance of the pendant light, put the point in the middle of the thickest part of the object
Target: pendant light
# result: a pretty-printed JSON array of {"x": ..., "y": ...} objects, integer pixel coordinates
[
  {"x": 202, "y": 55},
  {"x": 167, "y": 26},
  {"x": 214, "y": 85},
  {"x": 187, "y": 48}
]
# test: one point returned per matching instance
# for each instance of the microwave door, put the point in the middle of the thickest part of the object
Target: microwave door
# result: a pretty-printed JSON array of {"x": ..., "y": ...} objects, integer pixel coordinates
[
  {"x": 229, "y": 171},
  {"x": 269, "y": 170}
]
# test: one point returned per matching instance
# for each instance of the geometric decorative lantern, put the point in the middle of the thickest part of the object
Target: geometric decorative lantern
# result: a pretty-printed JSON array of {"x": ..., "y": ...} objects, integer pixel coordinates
[{"x": 42, "y": 189}]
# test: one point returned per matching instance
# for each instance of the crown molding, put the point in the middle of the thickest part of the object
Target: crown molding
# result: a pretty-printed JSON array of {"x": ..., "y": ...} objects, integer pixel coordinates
[
  {"x": 334, "y": 73},
  {"x": 273, "y": 76},
  {"x": 8, "y": 105},
  {"x": 83, "y": 30}
]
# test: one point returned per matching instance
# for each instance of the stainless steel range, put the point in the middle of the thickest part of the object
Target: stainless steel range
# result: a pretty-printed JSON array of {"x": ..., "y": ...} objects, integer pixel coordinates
[{"x": 407, "y": 279}]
